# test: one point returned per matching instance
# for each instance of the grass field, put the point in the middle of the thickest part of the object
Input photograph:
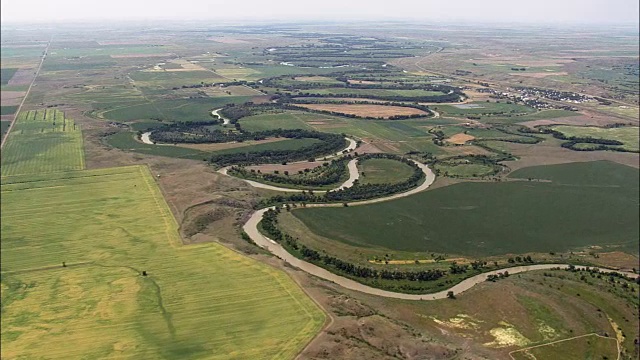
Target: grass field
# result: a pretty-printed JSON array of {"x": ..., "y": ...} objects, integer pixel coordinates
[
  {"x": 585, "y": 204},
  {"x": 383, "y": 171},
  {"x": 629, "y": 136},
  {"x": 109, "y": 225},
  {"x": 4, "y": 126},
  {"x": 464, "y": 170},
  {"x": 8, "y": 110},
  {"x": 6, "y": 74},
  {"x": 42, "y": 141}
]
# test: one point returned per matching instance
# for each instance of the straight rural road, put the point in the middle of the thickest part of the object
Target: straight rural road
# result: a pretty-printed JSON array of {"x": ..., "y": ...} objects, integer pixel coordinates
[
  {"x": 251, "y": 228},
  {"x": 15, "y": 117}
]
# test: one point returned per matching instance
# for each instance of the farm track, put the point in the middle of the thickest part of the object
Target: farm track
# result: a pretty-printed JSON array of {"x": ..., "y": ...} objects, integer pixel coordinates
[
  {"x": 15, "y": 116},
  {"x": 251, "y": 228}
]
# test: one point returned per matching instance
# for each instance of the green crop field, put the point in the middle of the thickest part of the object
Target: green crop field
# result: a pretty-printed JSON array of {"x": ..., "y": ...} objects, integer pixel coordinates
[
  {"x": 6, "y": 74},
  {"x": 383, "y": 171},
  {"x": 629, "y": 136},
  {"x": 42, "y": 141},
  {"x": 488, "y": 108},
  {"x": 584, "y": 204},
  {"x": 109, "y": 225}
]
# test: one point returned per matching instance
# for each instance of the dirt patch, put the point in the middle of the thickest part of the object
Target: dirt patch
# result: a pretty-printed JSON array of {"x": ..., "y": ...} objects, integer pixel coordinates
[
  {"x": 365, "y": 110},
  {"x": 460, "y": 138},
  {"x": 367, "y": 148},
  {"x": 10, "y": 98},
  {"x": 224, "y": 146},
  {"x": 540, "y": 75},
  {"x": 616, "y": 259},
  {"x": 351, "y": 81},
  {"x": 312, "y": 78},
  {"x": 22, "y": 77}
]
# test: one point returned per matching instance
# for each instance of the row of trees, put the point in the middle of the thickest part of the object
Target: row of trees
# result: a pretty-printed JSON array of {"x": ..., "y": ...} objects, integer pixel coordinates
[{"x": 329, "y": 143}]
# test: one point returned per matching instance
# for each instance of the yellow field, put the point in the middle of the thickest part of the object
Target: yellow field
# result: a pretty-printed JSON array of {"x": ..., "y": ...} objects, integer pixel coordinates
[{"x": 107, "y": 226}]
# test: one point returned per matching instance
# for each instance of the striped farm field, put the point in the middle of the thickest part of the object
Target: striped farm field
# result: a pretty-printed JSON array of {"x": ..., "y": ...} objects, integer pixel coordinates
[
  {"x": 107, "y": 226},
  {"x": 42, "y": 141}
]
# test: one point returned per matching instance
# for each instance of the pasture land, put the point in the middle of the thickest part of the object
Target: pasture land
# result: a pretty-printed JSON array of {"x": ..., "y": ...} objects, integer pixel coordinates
[
  {"x": 486, "y": 219},
  {"x": 366, "y": 110},
  {"x": 108, "y": 226},
  {"x": 628, "y": 136},
  {"x": 42, "y": 141},
  {"x": 383, "y": 171}
]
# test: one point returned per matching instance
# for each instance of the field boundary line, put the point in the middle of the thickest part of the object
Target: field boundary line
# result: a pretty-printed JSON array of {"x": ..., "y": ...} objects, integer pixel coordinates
[
  {"x": 15, "y": 116},
  {"x": 568, "y": 339}
]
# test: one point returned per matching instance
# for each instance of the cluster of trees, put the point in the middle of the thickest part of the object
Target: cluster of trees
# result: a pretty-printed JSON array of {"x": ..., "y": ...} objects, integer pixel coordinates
[
  {"x": 327, "y": 174},
  {"x": 269, "y": 225},
  {"x": 520, "y": 259},
  {"x": 500, "y": 275},
  {"x": 354, "y": 193},
  {"x": 198, "y": 132},
  {"x": 329, "y": 143}
]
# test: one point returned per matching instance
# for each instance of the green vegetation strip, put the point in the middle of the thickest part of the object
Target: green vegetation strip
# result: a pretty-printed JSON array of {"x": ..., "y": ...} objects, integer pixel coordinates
[
  {"x": 108, "y": 226},
  {"x": 585, "y": 204}
]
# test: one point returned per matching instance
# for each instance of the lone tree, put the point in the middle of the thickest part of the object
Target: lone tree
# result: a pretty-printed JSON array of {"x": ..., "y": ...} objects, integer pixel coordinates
[
  {"x": 144, "y": 273},
  {"x": 450, "y": 295}
]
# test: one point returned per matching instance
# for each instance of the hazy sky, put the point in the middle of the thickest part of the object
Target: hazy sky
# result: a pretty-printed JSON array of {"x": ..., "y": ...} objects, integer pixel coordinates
[{"x": 537, "y": 11}]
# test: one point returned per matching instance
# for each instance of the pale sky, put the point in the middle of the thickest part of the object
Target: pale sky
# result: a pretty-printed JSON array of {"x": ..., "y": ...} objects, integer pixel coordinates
[{"x": 537, "y": 11}]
